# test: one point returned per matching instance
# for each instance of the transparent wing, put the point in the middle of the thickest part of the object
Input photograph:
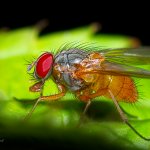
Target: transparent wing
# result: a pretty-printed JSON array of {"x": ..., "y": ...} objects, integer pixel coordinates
[
  {"x": 120, "y": 69},
  {"x": 131, "y": 56}
]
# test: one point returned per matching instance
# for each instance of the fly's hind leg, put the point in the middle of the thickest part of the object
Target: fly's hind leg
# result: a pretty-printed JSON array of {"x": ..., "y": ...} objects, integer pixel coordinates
[
  {"x": 54, "y": 97},
  {"x": 124, "y": 118},
  {"x": 128, "y": 114}
]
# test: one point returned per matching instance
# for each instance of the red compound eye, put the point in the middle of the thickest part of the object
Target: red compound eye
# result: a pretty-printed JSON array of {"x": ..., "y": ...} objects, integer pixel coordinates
[{"x": 44, "y": 65}]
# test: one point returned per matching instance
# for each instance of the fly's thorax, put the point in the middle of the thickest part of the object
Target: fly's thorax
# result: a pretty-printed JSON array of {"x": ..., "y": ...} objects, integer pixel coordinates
[
  {"x": 65, "y": 67},
  {"x": 70, "y": 57}
]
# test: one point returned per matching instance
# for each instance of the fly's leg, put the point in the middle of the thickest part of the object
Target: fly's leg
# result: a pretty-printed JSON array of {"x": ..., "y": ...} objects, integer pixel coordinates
[
  {"x": 122, "y": 115},
  {"x": 54, "y": 97},
  {"x": 86, "y": 107},
  {"x": 37, "y": 87},
  {"x": 129, "y": 115},
  {"x": 124, "y": 118},
  {"x": 85, "y": 98},
  {"x": 86, "y": 94},
  {"x": 31, "y": 111},
  {"x": 82, "y": 116}
]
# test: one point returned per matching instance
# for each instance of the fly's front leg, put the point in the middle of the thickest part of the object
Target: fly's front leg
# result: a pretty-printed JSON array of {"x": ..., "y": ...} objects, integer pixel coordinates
[
  {"x": 39, "y": 87},
  {"x": 62, "y": 93}
]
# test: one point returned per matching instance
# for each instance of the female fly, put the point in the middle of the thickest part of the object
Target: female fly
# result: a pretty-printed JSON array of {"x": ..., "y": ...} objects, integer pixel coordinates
[{"x": 90, "y": 74}]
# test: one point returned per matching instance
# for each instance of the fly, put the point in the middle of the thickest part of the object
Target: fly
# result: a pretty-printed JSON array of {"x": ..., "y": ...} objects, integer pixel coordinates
[{"x": 91, "y": 74}]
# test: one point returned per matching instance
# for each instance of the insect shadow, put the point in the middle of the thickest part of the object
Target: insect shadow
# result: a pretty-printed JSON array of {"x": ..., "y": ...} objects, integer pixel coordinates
[{"x": 98, "y": 111}]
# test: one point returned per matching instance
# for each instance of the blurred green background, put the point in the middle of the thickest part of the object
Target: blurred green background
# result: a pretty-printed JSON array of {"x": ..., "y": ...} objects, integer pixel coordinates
[{"x": 55, "y": 123}]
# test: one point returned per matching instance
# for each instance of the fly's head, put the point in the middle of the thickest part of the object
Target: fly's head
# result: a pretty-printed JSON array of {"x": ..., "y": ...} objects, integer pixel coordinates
[{"x": 43, "y": 66}]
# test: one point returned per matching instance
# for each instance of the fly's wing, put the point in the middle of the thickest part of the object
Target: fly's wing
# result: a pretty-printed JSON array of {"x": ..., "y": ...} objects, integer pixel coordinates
[
  {"x": 120, "y": 69},
  {"x": 130, "y": 56}
]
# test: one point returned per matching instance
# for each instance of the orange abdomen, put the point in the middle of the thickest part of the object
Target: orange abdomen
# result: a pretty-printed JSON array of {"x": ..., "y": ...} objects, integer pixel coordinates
[{"x": 123, "y": 88}]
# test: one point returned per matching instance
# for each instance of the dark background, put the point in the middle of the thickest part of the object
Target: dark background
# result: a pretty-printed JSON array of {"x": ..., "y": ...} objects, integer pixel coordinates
[{"x": 133, "y": 21}]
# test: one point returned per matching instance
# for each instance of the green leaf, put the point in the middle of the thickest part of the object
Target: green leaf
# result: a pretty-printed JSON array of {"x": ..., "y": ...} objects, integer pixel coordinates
[{"x": 58, "y": 121}]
